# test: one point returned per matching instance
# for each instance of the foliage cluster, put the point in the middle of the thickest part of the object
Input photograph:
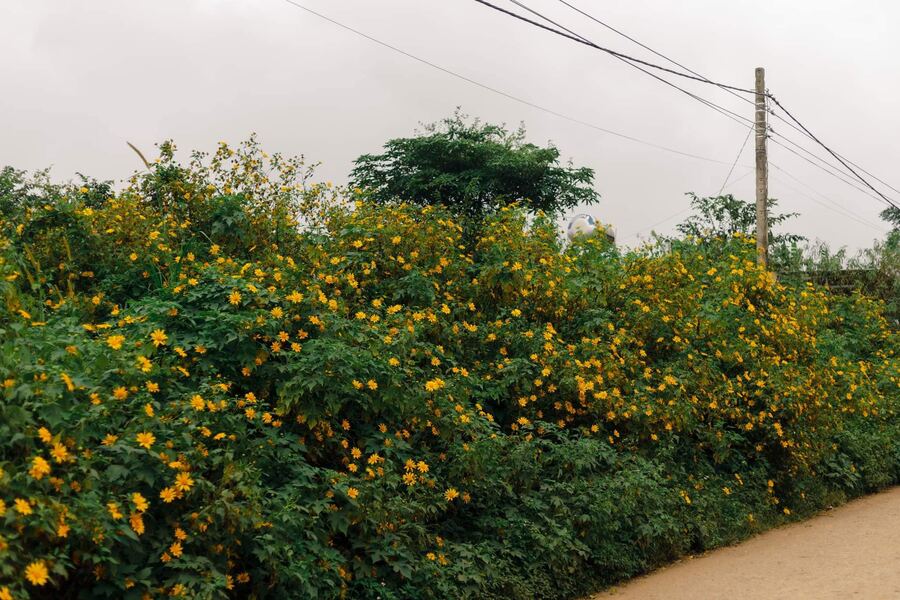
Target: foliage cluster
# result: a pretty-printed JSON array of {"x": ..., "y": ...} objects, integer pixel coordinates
[
  {"x": 874, "y": 271},
  {"x": 224, "y": 382},
  {"x": 718, "y": 218},
  {"x": 472, "y": 169}
]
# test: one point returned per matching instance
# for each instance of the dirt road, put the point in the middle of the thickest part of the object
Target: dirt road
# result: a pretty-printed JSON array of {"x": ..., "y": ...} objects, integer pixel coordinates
[{"x": 850, "y": 552}]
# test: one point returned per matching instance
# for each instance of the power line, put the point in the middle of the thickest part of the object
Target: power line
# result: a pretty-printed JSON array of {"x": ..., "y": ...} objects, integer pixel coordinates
[
  {"x": 832, "y": 202},
  {"x": 885, "y": 183},
  {"x": 809, "y": 153},
  {"x": 797, "y": 127},
  {"x": 621, "y": 55},
  {"x": 830, "y": 172},
  {"x": 831, "y": 152},
  {"x": 750, "y": 172},
  {"x": 657, "y": 224},
  {"x": 677, "y": 214},
  {"x": 835, "y": 207},
  {"x": 659, "y": 54},
  {"x": 772, "y": 111},
  {"x": 843, "y": 170},
  {"x": 573, "y": 35},
  {"x": 843, "y": 213},
  {"x": 674, "y": 62},
  {"x": 736, "y": 159},
  {"x": 608, "y": 131},
  {"x": 569, "y": 34},
  {"x": 506, "y": 94},
  {"x": 678, "y": 64}
]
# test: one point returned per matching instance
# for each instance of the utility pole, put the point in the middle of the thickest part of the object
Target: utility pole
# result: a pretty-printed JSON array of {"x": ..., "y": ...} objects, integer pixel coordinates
[{"x": 762, "y": 171}]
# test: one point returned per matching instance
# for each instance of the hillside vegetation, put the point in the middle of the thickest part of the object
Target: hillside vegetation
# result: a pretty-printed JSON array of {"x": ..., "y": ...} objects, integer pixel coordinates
[{"x": 226, "y": 381}]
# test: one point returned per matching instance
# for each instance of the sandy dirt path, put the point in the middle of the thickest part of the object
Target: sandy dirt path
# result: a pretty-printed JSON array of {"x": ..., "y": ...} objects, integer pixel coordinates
[{"x": 850, "y": 552}]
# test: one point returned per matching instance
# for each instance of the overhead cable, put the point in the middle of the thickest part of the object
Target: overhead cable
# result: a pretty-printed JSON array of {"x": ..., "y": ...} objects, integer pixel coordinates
[{"x": 507, "y": 95}]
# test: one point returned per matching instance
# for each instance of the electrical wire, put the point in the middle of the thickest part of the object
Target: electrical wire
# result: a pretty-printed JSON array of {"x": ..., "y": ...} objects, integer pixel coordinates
[
  {"x": 827, "y": 199},
  {"x": 657, "y": 224},
  {"x": 881, "y": 181},
  {"x": 679, "y": 213},
  {"x": 748, "y": 173},
  {"x": 835, "y": 207},
  {"x": 832, "y": 205},
  {"x": 507, "y": 95},
  {"x": 659, "y": 54},
  {"x": 830, "y": 172},
  {"x": 573, "y": 35},
  {"x": 885, "y": 183},
  {"x": 610, "y": 51},
  {"x": 797, "y": 127},
  {"x": 736, "y": 159},
  {"x": 831, "y": 152},
  {"x": 568, "y": 33},
  {"x": 689, "y": 70},
  {"x": 811, "y": 154}
]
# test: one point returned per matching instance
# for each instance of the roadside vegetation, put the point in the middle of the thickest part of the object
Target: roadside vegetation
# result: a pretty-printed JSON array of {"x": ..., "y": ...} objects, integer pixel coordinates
[{"x": 226, "y": 380}]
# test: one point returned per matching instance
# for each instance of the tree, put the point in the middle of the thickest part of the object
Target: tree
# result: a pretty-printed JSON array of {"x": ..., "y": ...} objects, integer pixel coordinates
[
  {"x": 721, "y": 217},
  {"x": 473, "y": 169},
  {"x": 892, "y": 216}
]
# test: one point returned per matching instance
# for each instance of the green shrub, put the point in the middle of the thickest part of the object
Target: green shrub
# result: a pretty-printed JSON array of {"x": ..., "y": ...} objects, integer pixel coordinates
[{"x": 234, "y": 385}]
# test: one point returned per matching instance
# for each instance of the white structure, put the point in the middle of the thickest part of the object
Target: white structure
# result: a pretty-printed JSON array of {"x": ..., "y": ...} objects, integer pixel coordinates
[{"x": 583, "y": 225}]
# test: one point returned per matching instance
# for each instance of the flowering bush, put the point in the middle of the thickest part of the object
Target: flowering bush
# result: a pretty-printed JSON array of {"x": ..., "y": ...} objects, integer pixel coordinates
[{"x": 223, "y": 381}]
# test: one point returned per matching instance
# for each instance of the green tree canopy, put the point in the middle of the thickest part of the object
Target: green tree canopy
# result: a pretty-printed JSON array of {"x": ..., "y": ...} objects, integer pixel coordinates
[
  {"x": 723, "y": 216},
  {"x": 473, "y": 169},
  {"x": 720, "y": 217},
  {"x": 892, "y": 216}
]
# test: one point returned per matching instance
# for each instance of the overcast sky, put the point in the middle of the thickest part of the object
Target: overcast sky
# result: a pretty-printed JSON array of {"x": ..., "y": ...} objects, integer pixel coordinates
[{"x": 80, "y": 77}]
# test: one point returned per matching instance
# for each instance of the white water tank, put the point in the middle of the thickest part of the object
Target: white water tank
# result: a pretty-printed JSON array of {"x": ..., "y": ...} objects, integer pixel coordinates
[{"x": 584, "y": 225}]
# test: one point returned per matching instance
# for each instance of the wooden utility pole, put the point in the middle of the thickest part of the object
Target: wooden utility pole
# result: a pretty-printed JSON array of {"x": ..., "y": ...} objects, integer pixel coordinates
[{"x": 762, "y": 171}]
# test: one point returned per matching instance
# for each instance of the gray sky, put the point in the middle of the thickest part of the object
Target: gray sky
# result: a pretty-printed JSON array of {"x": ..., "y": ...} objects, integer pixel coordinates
[{"x": 79, "y": 77}]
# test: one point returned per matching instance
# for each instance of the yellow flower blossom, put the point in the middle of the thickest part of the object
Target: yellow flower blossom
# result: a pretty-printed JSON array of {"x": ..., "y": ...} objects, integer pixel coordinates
[
  {"x": 70, "y": 385},
  {"x": 36, "y": 573},
  {"x": 434, "y": 384},
  {"x": 114, "y": 512},
  {"x": 115, "y": 341},
  {"x": 183, "y": 482},
  {"x": 144, "y": 364},
  {"x": 136, "y": 520},
  {"x": 145, "y": 439},
  {"x": 23, "y": 507},
  {"x": 45, "y": 435},
  {"x": 39, "y": 467},
  {"x": 159, "y": 338},
  {"x": 140, "y": 503},
  {"x": 59, "y": 453}
]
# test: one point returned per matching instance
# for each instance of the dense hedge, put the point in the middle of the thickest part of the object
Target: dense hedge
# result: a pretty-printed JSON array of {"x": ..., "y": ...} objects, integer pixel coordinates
[{"x": 222, "y": 382}]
